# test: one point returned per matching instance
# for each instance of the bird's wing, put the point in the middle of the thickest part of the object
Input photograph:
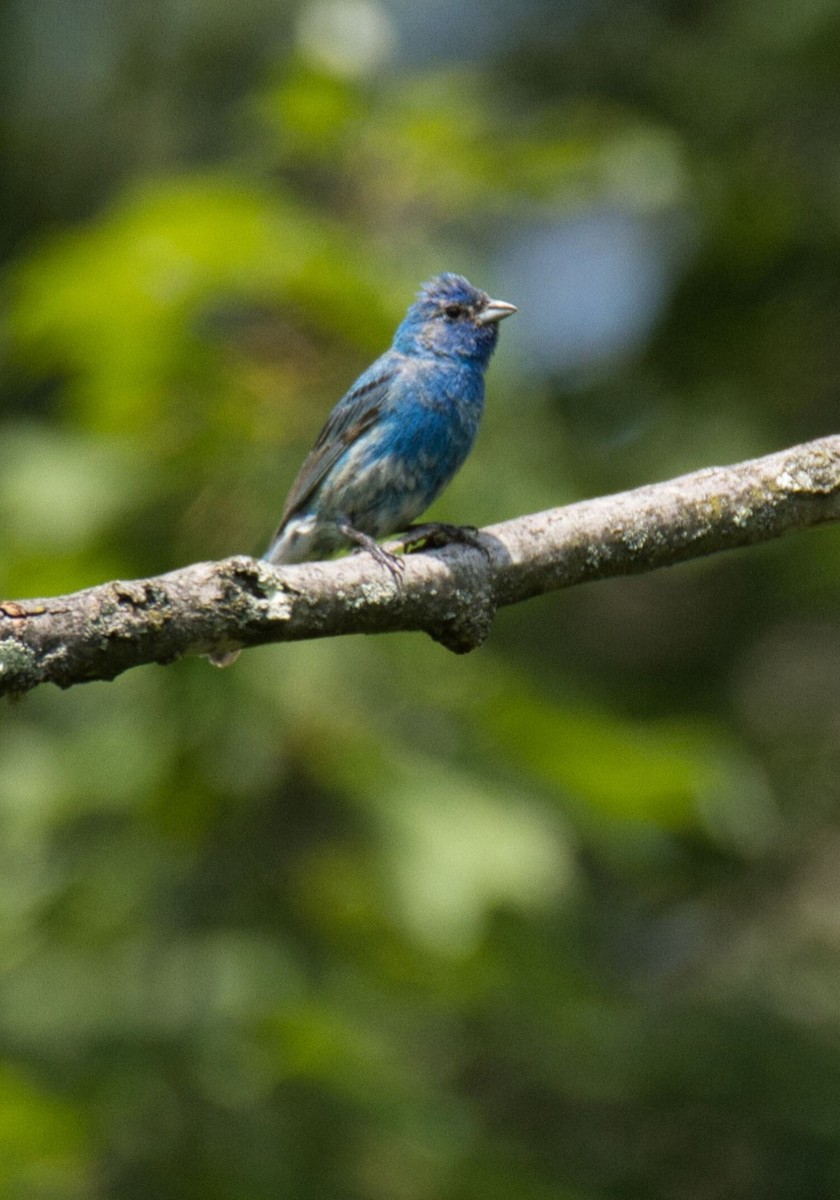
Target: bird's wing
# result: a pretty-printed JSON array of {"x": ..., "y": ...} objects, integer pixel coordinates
[{"x": 354, "y": 413}]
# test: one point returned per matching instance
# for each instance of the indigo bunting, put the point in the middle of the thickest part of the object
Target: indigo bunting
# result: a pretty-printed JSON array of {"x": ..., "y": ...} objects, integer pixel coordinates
[{"x": 394, "y": 441}]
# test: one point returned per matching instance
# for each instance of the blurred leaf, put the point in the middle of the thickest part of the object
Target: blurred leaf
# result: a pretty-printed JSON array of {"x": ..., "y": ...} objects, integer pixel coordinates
[
  {"x": 44, "y": 1147},
  {"x": 659, "y": 772}
]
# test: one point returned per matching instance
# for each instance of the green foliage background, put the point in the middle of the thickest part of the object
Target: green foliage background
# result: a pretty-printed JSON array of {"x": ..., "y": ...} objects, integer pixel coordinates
[{"x": 362, "y": 920}]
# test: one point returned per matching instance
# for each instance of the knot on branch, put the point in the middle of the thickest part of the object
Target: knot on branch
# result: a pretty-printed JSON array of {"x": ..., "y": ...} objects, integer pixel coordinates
[
  {"x": 470, "y": 606},
  {"x": 469, "y": 622}
]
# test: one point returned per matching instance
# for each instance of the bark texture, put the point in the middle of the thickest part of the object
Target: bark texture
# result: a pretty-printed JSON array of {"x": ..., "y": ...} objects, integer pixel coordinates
[{"x": 451, "y": 594}]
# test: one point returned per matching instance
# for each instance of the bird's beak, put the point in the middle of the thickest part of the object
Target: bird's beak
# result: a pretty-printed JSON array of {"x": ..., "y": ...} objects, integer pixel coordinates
[{"x": 495, "y": 310}]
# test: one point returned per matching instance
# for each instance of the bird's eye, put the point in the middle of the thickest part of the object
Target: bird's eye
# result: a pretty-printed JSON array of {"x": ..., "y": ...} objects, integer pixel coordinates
[{"x": 453, "y": 311}]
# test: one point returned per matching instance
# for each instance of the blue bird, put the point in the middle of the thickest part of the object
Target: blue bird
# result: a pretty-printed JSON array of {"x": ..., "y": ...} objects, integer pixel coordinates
[{"x": 394, "y": 441}]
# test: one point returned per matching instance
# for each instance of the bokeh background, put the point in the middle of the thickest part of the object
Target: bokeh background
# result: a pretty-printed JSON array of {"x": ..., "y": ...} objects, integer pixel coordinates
[{"x": 361, "y": 920}]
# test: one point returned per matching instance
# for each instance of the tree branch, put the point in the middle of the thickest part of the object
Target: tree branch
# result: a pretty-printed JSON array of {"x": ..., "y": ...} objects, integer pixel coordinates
[{"x": 451, "y": 594}]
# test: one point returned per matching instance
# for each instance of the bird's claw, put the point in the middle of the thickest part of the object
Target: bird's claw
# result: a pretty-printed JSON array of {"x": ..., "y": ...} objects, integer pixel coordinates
[
  {"x": 435, "y": 534},
  {"x": 391, "y": 562},
  {"x": 364, "y": 542}
]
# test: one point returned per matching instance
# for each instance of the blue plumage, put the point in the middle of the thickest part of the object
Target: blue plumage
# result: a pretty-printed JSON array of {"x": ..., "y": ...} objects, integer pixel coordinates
[
  {"x": 394, "y": 441},
  {"x": 401, "y": 432}
]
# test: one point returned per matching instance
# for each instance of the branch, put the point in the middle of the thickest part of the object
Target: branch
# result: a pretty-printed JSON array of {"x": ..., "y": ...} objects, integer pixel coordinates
[{"x": 451, "y": 594}]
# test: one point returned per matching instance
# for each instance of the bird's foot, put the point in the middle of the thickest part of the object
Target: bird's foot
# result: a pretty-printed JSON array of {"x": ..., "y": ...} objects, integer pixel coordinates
[
  {"x": 434, "y": 534},
  {"x": 391, "y": 562}
]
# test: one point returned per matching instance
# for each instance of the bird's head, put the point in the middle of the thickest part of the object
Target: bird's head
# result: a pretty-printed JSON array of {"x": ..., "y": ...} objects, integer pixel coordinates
[{"x": 453, "y": 319}]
